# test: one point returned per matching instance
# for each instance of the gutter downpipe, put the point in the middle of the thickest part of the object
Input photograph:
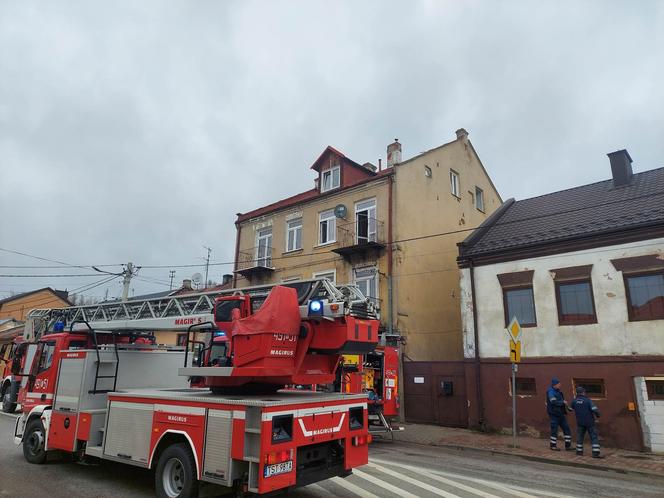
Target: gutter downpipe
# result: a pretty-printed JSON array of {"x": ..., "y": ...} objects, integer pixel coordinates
[
  {"x": 390, "y": 297},
  {"x": 238, "y": 229},
  {"x": 478, "y": 368}
]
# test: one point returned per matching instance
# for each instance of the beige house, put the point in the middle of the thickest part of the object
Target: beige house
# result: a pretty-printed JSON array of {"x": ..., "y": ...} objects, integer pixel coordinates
[{"x": 393, "y": 231}]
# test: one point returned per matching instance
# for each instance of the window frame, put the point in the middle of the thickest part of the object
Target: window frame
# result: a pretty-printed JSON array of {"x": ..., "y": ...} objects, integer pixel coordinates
[
  {"x": 290, "y": 229},
  {"x": 330, "y": 171},
  {"x": 267, "y": 258},
  {"x": 628, "y": 297},
  {"x": 455, "y": 185},
  {"x": 584, "y": 381},
  {"x": 376, "y": 276},
  {"x": 325, "y": 273},
  {"x": 46, "y": 359},
  {"x": 581, "y": 280},
  {"x": 652, "y": 396},
  {"x": 330, "y": 216},
  {"x": 524, "y": 393},
  {"x": 479, "y": 194},
  {"x": 508, "y": 319}
]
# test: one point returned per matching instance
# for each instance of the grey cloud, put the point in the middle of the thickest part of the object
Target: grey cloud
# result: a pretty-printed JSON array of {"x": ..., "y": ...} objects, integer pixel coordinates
[{"x": 138, "y": 130}]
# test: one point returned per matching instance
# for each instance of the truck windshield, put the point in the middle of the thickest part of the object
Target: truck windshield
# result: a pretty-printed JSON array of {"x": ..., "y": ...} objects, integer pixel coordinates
[{"x": 223, "y": 310}]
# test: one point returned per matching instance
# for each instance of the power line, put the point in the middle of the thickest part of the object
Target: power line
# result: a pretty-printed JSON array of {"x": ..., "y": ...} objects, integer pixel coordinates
[{"x": 53, "y": 276}]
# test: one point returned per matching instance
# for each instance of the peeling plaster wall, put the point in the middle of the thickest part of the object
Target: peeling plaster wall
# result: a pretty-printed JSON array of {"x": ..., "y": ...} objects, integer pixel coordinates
[
  {"x": 614, "y": 334},
  {"x": 652, "y": 417}
]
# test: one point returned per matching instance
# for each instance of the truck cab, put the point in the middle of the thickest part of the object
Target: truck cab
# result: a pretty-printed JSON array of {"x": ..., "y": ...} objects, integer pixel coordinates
[{"x": 33, "y": 362}]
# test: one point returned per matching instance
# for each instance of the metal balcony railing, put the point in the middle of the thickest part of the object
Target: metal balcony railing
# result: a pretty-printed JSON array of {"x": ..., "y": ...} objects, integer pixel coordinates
[
  {"x": 255, "y": 259},
  {"x": 362, "y": 234}
]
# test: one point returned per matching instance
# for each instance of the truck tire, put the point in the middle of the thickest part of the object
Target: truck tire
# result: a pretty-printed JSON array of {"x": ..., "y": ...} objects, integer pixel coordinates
[
  {"x": 175, "y": 476},
  {"x": 9, "y": 398},
  {"x": 34, "y": 441}
]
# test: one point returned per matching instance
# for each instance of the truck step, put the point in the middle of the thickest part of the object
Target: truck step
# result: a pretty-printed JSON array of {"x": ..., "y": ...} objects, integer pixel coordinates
[{"x": 95, "y": 451}]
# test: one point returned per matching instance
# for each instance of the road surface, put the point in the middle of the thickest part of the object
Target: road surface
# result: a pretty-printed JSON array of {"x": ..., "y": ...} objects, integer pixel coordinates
[{"x": 395, "y": 469}]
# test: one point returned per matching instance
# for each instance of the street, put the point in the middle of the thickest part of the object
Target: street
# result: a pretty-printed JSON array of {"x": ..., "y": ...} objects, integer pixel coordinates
[{"x": 395, "y": 469}]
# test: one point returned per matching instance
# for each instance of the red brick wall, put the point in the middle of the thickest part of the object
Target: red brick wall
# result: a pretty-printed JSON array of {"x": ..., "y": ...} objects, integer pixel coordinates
[{"x": 619, "y": 426}]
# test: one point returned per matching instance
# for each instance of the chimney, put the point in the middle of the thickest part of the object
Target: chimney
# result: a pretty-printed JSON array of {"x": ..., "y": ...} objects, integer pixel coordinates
[
  {"x": 621, "y": 167},
  {"x": 462, "y": 134},
  {"x": 393, "y": 153},
  {"x": 227, "y": 279},
  {"x": 186, "y": 284},
  {"x": 317, "y": 182}
]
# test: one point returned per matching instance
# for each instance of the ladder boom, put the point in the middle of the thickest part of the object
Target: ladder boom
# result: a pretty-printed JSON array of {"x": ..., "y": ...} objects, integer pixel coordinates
[{"x": 183, "y": 311}]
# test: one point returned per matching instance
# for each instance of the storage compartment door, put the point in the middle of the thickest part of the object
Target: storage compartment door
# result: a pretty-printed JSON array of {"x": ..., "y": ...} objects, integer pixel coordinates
[
  {"x": 128, "y": 431},
  {"x": 68, "y": 393},
  {"x": 216, "y": 466}
]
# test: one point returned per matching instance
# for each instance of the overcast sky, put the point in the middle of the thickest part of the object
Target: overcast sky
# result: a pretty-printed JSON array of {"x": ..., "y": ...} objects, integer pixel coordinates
[{"x": 135, "y": 131}]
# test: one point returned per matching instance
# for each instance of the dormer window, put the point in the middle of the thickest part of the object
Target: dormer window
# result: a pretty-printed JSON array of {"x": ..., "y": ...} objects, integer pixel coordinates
[{"x": 331, "y": 179}]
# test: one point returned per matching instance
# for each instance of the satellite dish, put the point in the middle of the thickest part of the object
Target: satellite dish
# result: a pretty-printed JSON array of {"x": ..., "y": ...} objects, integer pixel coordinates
[
  {"x": 197, "y": 278},
  {"x": 340, "y": 211}
]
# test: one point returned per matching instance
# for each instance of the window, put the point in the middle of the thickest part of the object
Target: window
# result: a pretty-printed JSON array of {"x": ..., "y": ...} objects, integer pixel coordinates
[
  {"x": 294, "y": 234},
  {"x": 331, "y": 179},
  {"x": 479, "y": 199},
  {"x": 576, "y": 305},
  {"x": 519, "y": 302},
  {"x": 182, "y": 339},
  {"x": 594, "y": 387},
  {"x": 655, "y": 389},
  {"x": 525, "y": 386},
  {"x": 327, "y": 227},
  {"x": 46, "y": 358},
  {"x": 367, "y": 280},
  {"x": 223, "y": 310},
  {"x": 365, "y": 221},
  {"x": 454, "y": 183},
  {"x": 645, "y": 296},
  {"x": 427, "y": 172},
  {"x": 331, "y": 275},
  {"x": 264, "y": 247}
]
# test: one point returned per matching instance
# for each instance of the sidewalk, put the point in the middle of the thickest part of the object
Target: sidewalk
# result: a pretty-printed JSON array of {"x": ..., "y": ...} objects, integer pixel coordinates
[{"x": 532, "y": 448}]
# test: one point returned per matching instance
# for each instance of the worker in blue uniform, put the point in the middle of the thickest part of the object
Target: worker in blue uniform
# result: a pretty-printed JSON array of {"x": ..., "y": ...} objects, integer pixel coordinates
[
  {"x": 585, "y": 412},
  {"x": 557, "y": 408}
]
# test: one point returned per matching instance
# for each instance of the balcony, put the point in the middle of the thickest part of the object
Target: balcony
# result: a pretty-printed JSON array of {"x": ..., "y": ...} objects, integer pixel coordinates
[
  {"x": 255, "y": 261},
  {"x": 364, "y": 235}
]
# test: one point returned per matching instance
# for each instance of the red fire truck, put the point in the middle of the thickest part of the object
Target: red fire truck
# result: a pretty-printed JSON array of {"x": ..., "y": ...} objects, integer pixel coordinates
[
  {"x": 8, "y": 386},
  {"x": 101, "y": 390}
]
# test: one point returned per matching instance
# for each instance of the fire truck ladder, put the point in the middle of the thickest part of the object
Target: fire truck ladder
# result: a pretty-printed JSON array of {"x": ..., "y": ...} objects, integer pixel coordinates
[
  {"x": 180, "y": 312},
  {"x": 116, "y": 361}
]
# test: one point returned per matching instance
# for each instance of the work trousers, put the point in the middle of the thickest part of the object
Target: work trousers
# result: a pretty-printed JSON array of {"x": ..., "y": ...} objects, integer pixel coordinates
[
  {"x": 560, "y": 421},
  {"x": 580, "y": 436}
]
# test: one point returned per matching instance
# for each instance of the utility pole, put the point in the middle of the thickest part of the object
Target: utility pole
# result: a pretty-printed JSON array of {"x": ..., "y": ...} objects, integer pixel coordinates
[
  {"x": 171, "y": 273},
  {"x": 207, "y": 265},
  {"x": 127, "y": 274}
]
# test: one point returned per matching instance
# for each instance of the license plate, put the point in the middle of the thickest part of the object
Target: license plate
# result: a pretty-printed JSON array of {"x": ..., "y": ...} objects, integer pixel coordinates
[{"x": 278, "y": 468}]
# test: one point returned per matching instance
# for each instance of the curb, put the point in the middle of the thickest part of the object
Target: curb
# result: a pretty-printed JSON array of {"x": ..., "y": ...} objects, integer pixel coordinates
[
  {"x": 10, "y": 415},
  {"x": 539, "y": 459}
]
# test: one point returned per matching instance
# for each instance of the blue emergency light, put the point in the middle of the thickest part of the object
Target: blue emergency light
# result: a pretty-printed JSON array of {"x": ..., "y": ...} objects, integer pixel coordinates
[
  {"x": 316, "y": 308},
  {"x": 219, "y": 333}
]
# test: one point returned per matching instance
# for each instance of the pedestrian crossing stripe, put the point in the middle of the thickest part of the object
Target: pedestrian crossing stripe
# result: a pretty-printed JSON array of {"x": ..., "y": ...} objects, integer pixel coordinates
[
  {"x": 384, "y": 485},
  {"x": 419, "y": 484},
  {"x": 516, "y": 491},
  {"x": 353, "y": 488}
]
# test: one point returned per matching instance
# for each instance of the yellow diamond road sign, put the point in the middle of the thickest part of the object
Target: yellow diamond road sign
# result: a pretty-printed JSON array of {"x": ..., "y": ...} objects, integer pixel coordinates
[
  {"x": 514, "y": 329},
  {"x": 515, "y": 351}
]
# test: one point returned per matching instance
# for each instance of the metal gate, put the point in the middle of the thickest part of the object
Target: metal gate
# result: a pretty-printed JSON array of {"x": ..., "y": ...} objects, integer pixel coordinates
[{"x": 435, "y": 393}]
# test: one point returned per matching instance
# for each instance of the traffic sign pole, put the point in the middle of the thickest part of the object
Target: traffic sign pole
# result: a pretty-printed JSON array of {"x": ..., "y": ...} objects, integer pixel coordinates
[{"x": 514, "y": 436}]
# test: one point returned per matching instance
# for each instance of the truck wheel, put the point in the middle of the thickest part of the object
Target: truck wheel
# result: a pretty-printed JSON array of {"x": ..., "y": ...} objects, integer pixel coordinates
[
  {"x": 34, "y": 441},
  {"x": 176, "y": 473},
  {"x": 9, "y": 399}
]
